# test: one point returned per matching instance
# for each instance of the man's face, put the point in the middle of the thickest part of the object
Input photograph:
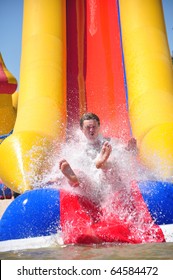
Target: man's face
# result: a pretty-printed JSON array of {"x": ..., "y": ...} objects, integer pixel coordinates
[{"x": 91, "y": 129}]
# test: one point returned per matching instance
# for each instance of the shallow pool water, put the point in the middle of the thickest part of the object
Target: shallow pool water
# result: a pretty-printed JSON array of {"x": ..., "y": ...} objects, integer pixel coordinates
[{"x": 151, "y": 251}]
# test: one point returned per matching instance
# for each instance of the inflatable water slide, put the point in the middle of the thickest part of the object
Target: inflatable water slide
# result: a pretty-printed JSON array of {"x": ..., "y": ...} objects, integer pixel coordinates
[{"x": 108, "y": 57}]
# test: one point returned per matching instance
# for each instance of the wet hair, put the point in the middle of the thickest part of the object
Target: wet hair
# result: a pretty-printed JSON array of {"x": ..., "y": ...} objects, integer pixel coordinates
[{"x": 89, "y": 116}]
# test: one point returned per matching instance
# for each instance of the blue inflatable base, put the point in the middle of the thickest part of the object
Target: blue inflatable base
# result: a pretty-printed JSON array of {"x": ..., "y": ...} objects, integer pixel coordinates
[
  {"x": 158, "y": 197},
  {"x": 34, "y": 213}
]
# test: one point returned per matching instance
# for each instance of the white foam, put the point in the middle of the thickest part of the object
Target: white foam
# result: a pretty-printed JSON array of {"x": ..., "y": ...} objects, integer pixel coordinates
[
  {"x": 168, "y": 232},
  {"x": 31, "y": 243}
]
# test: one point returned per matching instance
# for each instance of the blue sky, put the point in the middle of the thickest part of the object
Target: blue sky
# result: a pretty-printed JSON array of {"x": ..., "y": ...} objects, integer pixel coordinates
[{"x": 11, "y": 31}]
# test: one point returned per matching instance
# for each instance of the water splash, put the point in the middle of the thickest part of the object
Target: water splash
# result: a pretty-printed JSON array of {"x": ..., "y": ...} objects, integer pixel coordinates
[
  {"x": 81, "y": 157},
  {"x": 112, "y": 190}
]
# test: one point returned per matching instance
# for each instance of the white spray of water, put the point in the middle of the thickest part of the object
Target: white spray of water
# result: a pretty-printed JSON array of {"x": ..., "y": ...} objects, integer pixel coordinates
[
  {"x": 123, "y": 168},
  {"x": 81, "y": 157}
]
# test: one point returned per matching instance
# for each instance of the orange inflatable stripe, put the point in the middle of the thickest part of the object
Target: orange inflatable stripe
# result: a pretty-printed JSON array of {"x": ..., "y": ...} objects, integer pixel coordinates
[
  {"x": 76, "y": 66},
  {"x": 80, "y": 12},
  {"x": 72, "y": 65}
]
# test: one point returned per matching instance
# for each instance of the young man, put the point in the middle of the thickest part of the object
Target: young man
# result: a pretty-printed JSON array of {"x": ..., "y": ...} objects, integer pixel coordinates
[
  {"x": 90, "y": 126},
  {"x": 111, "y": 212}
]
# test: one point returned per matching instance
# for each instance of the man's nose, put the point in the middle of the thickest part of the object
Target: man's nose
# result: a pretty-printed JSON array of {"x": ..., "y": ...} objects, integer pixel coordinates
[{"x": 91, "y": 129}]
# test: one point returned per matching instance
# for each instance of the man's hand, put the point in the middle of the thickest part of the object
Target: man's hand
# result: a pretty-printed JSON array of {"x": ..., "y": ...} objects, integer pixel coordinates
[{"x": 132, "y": 145}]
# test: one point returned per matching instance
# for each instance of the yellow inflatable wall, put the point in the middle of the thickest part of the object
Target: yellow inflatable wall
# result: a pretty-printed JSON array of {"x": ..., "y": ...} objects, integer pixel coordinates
[
  {"x": 42, "y": 93},
  {"x": 150, "y": 82}
]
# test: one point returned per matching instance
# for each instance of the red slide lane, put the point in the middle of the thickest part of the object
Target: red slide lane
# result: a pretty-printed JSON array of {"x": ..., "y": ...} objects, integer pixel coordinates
[{"x": 105, "y": 86}]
